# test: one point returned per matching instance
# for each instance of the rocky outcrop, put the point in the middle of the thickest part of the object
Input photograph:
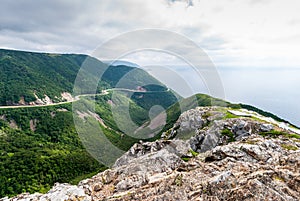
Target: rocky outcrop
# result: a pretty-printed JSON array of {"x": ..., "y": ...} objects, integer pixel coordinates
[
  {"x": 59, "y": 192},
  {"x": 210, "y": 127},
  {"x": 193, "y": 120},
  {"x": 235, "y": 163},
  {"x": 33, "y": 124},
  {"x": 253, "y": 169},
  {"x": 223, "y": 131},
  {"x": 176, "y": 147},
  {"x": 144, "y": 163}
]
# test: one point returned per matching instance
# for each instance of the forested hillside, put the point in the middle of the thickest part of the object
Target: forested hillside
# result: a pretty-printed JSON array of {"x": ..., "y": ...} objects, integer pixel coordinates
[
  {"x": 26, "y": 74},
  {"x": 39, "y": 145}
]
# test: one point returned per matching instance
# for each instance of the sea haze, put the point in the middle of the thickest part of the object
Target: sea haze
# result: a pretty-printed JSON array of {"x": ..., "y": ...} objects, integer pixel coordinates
[{"x": 271, "y": 89}]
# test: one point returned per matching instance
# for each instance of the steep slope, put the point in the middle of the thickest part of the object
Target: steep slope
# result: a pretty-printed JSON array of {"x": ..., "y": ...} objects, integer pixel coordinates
[
  {"x": 26, "y": 73},
  {"x": 39, "y": 145},
  {"x": 203, "y": 100},
  {"x": 26, "y": 76},
  {"x": 240, "y": 158}
]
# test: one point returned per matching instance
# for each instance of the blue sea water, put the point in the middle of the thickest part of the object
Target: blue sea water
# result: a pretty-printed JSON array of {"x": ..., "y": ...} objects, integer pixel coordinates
[
  {"x": 275, "y": 90},
  {"x": 271, "y": 89}
]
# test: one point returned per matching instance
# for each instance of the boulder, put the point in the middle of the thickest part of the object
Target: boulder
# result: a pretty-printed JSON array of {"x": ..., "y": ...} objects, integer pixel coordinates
[{"x": 234, "y": 163}]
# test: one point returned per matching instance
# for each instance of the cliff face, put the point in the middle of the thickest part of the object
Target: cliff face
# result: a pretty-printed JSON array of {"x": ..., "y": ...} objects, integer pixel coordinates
[{"x": 240, "y": 158}]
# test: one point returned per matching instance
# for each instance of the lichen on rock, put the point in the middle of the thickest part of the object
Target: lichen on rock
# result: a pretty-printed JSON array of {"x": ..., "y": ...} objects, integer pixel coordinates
[{"x": 235, "y": 162}]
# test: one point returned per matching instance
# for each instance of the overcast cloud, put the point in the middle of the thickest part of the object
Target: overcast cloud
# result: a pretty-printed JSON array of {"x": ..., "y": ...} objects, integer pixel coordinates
[
  {"x": 236, "y": 34},
  {"x": 232, "y": 32}
]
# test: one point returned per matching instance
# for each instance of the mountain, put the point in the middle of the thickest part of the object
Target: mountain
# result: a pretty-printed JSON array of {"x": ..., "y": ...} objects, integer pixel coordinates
[
  {"x": 24, "y": 74},
  {"x": 40, "y": 143},
  {"x": 121, "y": 63},
  {"x": 27, "y": 77},
  {"x": 230, "y": 154},
  {"x": 205, "y": 100}
]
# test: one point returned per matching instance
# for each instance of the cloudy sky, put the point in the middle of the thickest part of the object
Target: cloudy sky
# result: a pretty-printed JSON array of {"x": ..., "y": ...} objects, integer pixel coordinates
[
  {"x": 233, "y": 32},
  {"x": 257, "y": 35}
]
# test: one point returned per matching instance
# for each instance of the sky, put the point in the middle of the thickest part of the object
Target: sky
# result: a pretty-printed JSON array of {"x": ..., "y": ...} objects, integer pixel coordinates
[
  {"x": 241, "y": 37},
  {"x": 233, "y": 32}
]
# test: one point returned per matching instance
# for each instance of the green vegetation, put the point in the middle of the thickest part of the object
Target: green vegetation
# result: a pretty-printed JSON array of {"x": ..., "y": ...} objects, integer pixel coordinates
[
  {"x": 194, "y": 154},
  {"x": 178, "y": 180},
  {"x": 76, "y": 180},
  {"x": 148, "y": 100},
  {"x": 275, "y": 134},
  {"x": 203, "y": 100},
  {"x": 44, "y": 147},
  {"x": 264, "y": 113},
  {"x": 128, "y": 77},
  {"x": 251, "y": 141},
  {"x": 33, "y": 160},
  {"x": 278, "y": 178},
  {"x": 187, "y": 158},
  {"x": 289, "y": 147},
  {"x": 183, "y": 105},
  {"x": 296, "y": 140},
  {"x": 230, "y": 116},
  {"x": 229, "y": 134},
  {"x": 24, "y": 73}
]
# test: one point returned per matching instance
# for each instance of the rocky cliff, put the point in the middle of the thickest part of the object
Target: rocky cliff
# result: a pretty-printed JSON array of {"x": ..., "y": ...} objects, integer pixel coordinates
[{"x": 211, "y": 153}]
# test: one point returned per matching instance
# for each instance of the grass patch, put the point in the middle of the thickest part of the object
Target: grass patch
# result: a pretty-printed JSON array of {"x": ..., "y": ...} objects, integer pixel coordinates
[
  {"x": 264, "y": 113},
  {"x": 289, "y": 147},
  {"x": 251, "y": 142},
  {"x": 296, "y": 140},
  {"x": 277, "y": 178},
  {"x": 206, "y": 115},
  {"x": 258, "y": 119},
  {"x": 185, "y": 135},
  {"x": 178, "y": 180},
  {"x": 230, "y": 116},
  {"x": 194, "y": 154},
  {"x": 229, "y": 134},
  {"x": 187, "y": 158},
  {"x": 276, "y": 134}
]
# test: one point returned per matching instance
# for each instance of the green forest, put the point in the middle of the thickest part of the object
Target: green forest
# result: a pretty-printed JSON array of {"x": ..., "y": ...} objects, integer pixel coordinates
[
  {"x": 26, "y": 74},
  {"x": 40, "y": 145},
  {"x": 33, "y": 159}
]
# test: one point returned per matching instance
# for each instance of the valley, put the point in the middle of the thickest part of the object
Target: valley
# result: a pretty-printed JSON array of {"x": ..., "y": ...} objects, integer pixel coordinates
[
  {"x": 39, "y": 141},
  {"x": 39, "y": 144}
]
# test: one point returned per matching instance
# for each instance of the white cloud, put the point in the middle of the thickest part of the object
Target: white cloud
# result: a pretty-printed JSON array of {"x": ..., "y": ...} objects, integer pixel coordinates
[
  {"x": 248, "y": 34},
  {"x": 232, "y": 32}
]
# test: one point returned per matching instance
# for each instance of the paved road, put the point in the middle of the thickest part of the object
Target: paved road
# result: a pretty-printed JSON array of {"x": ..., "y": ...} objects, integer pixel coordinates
[{"x": 104, "y": 92}]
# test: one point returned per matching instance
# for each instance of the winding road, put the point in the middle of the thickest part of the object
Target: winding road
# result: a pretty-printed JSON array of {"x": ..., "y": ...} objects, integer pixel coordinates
[{"x": 77, "y": 98}]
